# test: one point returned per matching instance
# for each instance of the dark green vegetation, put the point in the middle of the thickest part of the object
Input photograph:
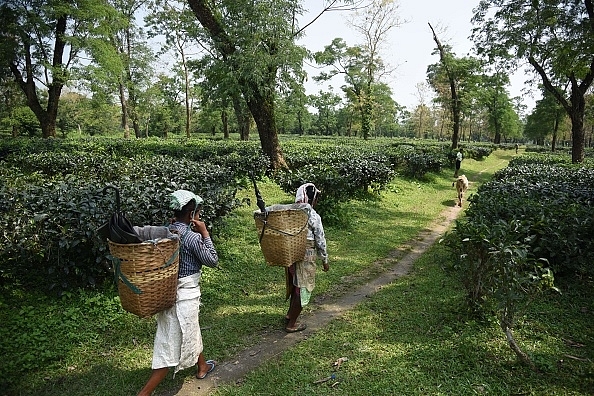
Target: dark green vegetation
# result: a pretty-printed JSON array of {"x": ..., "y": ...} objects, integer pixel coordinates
[
  {"x": 52, "y": 191},
  {"x": 414, "y": 337},
  {"x": 532, "y": 222}
]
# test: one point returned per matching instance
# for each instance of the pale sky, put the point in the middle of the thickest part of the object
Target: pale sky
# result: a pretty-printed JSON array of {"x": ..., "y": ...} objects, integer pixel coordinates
[{"x": 410, "y": 45}]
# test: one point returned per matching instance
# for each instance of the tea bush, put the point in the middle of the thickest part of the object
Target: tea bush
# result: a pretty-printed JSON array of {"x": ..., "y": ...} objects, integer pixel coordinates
[
  {"x": 553, "y": 208},
  {"x": 49, "y": 224}
]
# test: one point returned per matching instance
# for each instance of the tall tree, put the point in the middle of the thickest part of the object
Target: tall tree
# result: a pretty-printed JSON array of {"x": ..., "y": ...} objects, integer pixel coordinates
[
  {"x": 545, "y": 120},
  {"x": 385, "y": 111},
  {"x": 422, "y": 110},
  {"x": 176, "y": 22},
  {"x": 461, "y": 75},
  {"x": 256, "y": 39},
  {"x": 219, "y": 85},
  {"x": 10, "y": 100},
  {"x": 40, "y": 42},
  {"x": 165, "y": 105},
  {"x": 129, "y": 44},
  {"x": 496, "y": 101},
  {"x": 555, "y": 38},
  {"x": 326, "y": 105},
  {"x": 361, "y": 65}
]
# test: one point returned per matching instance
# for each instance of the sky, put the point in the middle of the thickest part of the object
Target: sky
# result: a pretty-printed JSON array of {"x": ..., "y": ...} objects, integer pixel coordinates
[{"x": 410, "y": 45}]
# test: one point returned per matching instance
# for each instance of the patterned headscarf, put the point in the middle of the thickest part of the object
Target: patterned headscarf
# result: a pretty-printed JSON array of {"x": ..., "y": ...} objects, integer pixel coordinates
[
  {"x": 180, "y": 198},
  {"x": 301, "y": 195}
]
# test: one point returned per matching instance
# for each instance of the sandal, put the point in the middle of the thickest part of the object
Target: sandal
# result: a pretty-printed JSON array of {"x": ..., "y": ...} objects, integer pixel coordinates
[
  {"x": 212, "y": 365},
  {"x": 299, "y": 327}
]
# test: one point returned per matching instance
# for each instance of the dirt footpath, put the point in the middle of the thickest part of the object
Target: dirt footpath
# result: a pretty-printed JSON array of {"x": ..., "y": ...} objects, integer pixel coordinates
[{"x": 275, "y": 342}]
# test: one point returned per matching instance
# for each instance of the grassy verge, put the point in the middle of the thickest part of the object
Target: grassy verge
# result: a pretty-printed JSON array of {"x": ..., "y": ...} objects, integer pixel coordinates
[
  {"x": 413, "y": 338},
  {"x": 409, "y": 339}
]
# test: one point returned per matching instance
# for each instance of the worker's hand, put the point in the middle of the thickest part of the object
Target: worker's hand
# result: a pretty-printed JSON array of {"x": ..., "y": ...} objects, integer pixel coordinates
[
  {"x": 326, "y": 267},
  {"x": 199, "y": 227}
]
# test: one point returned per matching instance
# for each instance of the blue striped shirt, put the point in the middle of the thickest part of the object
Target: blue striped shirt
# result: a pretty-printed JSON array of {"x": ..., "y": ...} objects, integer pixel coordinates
[{"x": 195, "y": 251}]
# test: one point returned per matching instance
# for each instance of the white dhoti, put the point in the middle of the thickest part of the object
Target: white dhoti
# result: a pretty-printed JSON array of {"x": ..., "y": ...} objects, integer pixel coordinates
[{"x": 178, "y": 341}]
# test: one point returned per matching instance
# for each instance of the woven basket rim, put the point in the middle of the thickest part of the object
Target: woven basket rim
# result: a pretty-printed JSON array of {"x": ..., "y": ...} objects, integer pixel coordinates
[{"x": 146, "y": 243}]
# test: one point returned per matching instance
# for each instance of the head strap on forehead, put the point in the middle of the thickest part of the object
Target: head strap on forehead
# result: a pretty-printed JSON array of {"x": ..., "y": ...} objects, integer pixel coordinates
[{"x": 180, "y": 198}]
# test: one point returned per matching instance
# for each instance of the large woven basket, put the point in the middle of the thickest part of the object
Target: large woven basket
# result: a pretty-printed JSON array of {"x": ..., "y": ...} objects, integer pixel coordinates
[
  {"x": 283, "y": 233},
  {"x": 146, "y": 275}
]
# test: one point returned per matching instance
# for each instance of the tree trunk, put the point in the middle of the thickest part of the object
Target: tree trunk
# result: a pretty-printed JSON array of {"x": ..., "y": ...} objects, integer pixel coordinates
[
  {"x": 47, "y": 117},
  {"x": 300, "y": 123},
  {"x": 124, "y": 105},
  {"x": 262, "y": 109},
  {"x": 259, "y": 95},
  {"x": 578, "y": 108},
  {"x": 575, "y": 107},
  {"x": 455, "y": 103},
  {"x": 554, "y": 138},
  {"x": 242, "y": 114},
  {"x": 366, "y": 115},
  {"x": 225, "y": 121},
  {"x": 186, "y": 91},
  {"x": 136, "y": 125}
]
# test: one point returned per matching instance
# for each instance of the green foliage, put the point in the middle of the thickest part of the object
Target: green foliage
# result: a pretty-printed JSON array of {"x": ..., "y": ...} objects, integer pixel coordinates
[
  {"x": 496, "y": 265},
  {"x": 417, "y": 164},
  {"x": 556, "y": 200},
  {"x": 52, "y": 202},
  {"x": 554, "y": 38},
  {"x": 530, "y": 221},
  {"x": 339, "y": 172},
  {"x": 23, "y": 119}
]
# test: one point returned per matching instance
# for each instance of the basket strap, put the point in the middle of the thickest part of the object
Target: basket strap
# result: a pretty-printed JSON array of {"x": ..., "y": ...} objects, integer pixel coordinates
[
  {"x": 119, "y": 275},
  {"x": 172, "y": 258},
  {"x": 265, "y": 223}
]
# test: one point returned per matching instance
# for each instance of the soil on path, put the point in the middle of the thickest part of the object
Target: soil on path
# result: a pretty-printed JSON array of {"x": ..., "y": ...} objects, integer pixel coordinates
[{"x": 274, "y": 343}]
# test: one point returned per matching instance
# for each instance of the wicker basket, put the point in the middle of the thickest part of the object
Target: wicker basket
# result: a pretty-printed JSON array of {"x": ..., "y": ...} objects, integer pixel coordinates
[
  {"x": 146, "y": 275},
  {"x": 283, "y": 233}
]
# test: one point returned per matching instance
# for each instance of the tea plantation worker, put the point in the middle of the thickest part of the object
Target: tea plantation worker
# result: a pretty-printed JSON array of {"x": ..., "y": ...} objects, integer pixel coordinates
[
  {"x": 301, "y": 275},
  {"x": 178, "y": 340},
  {"x": 458, "y": 162}
]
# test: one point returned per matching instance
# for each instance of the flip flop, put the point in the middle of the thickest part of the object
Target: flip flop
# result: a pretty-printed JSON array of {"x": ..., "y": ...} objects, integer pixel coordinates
[
  {"x": 212, "y": 365},
  {"x": 299, "y": 327}
]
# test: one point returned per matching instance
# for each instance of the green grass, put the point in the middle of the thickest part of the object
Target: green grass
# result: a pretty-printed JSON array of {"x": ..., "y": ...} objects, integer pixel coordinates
[{"x": 411, "y": 338}]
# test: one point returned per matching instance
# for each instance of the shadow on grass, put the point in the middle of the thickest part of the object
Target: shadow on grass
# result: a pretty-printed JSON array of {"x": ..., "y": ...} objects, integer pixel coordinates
[{"x": 103, "y": 380}]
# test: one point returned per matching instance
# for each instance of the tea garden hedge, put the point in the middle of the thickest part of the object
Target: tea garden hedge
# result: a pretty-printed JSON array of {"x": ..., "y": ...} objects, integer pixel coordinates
[
  {"x": 52, "y": 199},
  {"x": 531, "y": 224}
]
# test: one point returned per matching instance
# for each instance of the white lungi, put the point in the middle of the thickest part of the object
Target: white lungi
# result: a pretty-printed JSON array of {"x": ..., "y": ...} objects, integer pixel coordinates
[{"x": 178, "y": 341}]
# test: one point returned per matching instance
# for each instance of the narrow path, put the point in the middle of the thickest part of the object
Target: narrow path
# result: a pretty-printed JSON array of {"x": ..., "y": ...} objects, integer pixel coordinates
[{"x": 275, "y": 342}]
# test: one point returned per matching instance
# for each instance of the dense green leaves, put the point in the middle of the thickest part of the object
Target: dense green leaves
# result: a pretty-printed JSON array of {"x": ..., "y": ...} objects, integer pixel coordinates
[
  {"x": 533, "y": 220},
  {"x": 52, "y": 202}
]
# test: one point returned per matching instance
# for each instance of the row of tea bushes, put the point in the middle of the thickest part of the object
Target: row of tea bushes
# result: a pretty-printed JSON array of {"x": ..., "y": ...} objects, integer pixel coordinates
[
  {"x": 535, "y": 219},
  {"x": 52, "y": 201},
  {"x": 49, "y": 223}
]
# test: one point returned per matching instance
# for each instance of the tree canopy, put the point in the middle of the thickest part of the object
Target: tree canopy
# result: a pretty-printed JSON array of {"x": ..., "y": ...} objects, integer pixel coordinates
[{"x": 555, "y": 38}]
